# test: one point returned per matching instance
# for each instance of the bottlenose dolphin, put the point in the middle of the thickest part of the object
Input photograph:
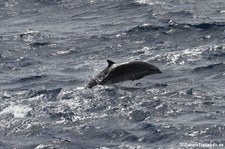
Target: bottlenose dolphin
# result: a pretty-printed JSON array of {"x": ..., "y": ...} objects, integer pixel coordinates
[{"x": 115, "y": 73}]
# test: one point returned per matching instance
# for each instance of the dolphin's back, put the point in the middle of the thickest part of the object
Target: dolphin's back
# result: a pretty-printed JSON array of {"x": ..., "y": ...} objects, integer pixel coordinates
[{"x": 129, "y": 71}]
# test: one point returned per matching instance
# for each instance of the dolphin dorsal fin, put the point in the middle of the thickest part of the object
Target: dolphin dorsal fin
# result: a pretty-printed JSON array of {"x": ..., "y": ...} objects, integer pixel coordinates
[{"x": 110, "y": 63}]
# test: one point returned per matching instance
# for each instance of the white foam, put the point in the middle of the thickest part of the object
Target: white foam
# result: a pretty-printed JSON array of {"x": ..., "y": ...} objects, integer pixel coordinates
[
  {"x": 149, "y": 2},
  {"x": 222, "y": 11},
  {"x": 19, "y": 111},
  {"x": 80, "y": 88},
  {"x": 180, "y": 57}
]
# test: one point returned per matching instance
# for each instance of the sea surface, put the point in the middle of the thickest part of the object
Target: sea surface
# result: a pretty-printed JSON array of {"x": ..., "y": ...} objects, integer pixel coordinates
[{"x": 50, "y": 49}]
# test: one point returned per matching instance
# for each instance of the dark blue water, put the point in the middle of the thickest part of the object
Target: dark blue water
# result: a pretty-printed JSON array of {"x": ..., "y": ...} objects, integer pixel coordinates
[{"x": 50, "y": 49}]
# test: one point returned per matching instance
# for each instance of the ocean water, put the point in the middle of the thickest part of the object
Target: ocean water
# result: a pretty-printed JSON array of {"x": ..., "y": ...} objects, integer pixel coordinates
[{"x": 50, "y": 49}]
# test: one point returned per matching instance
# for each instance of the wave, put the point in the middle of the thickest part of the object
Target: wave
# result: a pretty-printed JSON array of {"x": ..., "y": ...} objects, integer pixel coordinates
[
  {"x": 148, "y": 2},
  {"x": 14, "y": 83},
  {"x": 40, "y": 44},
  {"x": 67, "y": 115},
  {"x": 35, "y": 37},
  {"x": 48, "y": 94},
  {"x": 31, "y": 78},
  {"x": 215, "y": 67},
  {"x": 215, "y": 52},
  {"x": 113, "y": 134},
  {"x": 202, "y": 26},
  {"x": 145, "y": 27},
  {"x": 207, "y": 26},
  {"x": 181, "y": 13}
]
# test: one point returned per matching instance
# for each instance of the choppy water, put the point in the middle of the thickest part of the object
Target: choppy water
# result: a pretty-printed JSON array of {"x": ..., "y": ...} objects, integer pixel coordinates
[{"x": 50, "y": 49}]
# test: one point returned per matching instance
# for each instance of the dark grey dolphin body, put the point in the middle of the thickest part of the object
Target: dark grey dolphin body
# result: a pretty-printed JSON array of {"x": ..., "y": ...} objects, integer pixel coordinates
[{"x": 115, "y": 73}]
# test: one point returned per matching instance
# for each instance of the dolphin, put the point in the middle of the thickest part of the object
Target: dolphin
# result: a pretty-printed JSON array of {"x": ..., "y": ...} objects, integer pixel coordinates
[{"x": 115, "y": 73}]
